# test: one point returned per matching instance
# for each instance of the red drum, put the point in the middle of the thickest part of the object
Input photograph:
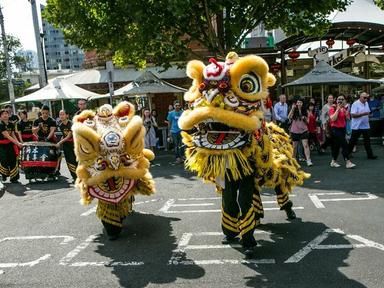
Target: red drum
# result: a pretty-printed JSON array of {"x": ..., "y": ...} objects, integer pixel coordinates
[{"x": 39, "y": 160}]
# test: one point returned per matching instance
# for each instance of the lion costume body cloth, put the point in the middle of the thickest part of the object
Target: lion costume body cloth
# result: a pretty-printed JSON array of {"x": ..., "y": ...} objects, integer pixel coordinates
[
  {"x": 228, "y": 142},
  {"x": 113, "y": 164}
]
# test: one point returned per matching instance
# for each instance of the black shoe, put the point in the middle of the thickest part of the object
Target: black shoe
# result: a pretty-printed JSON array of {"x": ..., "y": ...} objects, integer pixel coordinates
[
  {"x": 113, "y": 237},
  {"x": 2, "y": 190},
  {"x": 229, "y": 240},
  {"x": 290, "y": 214},
  {"x": 373, "y": 157},
  {"x": 248, "y": 252},
  {"x": 288, "y": 210},
  {"x": 3, "y": 178},
  {"x": 113, "y": 231},
  {"x": 14, "y": 181}
]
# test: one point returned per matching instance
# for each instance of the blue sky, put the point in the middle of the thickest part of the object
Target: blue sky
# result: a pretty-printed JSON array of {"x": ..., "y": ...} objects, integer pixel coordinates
[{"x": 18, "y": 21}]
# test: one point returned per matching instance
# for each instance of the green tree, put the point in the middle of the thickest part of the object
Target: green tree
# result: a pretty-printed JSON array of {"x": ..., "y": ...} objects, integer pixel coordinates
[
  {"x": 380, "y": 3},
  {"x": 161, "y": 31},
  {"x": 16, "y": 61}
]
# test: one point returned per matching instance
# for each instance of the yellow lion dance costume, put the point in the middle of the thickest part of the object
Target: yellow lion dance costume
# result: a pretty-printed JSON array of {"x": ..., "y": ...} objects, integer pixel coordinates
[
  {"x": 113, "y": 164},
  {"x": 228, "y": 142}
]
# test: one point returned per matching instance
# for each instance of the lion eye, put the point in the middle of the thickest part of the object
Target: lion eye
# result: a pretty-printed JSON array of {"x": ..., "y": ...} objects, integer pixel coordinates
[
  {"x": 249, "y": 83},
  {"x": 84, "y": 149}
]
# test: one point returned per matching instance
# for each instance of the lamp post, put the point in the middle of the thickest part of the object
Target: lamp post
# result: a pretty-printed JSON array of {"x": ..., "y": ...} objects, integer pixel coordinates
[
  {"x": 8, "y": 65},
  {"x": 42, "y": 79},
  {"x": 109, "y": 68}
]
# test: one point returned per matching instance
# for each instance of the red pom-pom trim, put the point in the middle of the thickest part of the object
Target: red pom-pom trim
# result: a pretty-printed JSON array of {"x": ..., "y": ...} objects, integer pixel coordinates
[
  {"x": 202, "y": 86},
  {"x": 81, "y": 119},
  {"x": 124, "y": 111}
]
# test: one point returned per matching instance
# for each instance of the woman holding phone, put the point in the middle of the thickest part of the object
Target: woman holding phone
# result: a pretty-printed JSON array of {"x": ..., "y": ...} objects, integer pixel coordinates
[
  {"x": 339, "y": 115},
  {"x": 299, "y": 129}
]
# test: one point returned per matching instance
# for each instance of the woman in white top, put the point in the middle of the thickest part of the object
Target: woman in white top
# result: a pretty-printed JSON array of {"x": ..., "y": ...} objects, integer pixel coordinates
[
  {"x": 150, "y": 132},
  {"x": 299, "y": 129}
]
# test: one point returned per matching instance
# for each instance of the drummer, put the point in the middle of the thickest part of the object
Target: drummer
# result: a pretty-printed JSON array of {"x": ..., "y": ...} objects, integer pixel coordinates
[
  {"x": 67, "y": 142},
  {"x": 44, "y": 127},
  {"x": 8, "y": 158},
  {"x": 24, "y": 128},
  {"x": 12, "y": 117}
]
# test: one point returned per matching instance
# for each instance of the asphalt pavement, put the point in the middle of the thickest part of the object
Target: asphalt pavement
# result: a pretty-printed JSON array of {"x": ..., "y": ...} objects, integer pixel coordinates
[{"x": 173, "y": 239}]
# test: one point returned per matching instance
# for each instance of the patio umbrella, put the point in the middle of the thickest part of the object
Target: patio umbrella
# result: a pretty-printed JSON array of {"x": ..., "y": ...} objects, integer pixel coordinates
[
  {"x": 146, "y": 83},
  {"x": 58, "y": 90},
  {"x": 323, "y": 74}
]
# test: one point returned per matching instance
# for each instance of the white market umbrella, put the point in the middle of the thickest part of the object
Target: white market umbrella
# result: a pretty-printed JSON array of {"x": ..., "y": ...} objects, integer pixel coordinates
[
  {"x": 146, "y": 83},
  {"x": 58, "y": 90}
]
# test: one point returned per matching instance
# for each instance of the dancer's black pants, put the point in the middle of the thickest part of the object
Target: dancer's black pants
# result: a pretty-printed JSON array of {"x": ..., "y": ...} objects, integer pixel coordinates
[
  {"x": 70, "y": 158},
  {"x": 239, "y": 212}
]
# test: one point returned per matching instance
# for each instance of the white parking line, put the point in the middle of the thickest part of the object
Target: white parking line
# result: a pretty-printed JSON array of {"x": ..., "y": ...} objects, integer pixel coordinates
[
  {"x": 25, "y": 264},
  {"x": 206, "y": 198},
  {"x": 178, "y": 254},
  {"x": 167, "y": 205},
  {"x": 224, "y": 261},
  {"x": 172, "y": 203},
  {"x": 217, "y": 210},
  {"x": 66, "y": 259},
  {"x": 93, "y": 209},
  {"x": 318, "y": 202},
  {"x": 193, "y": 205},
  {"x": 66, "y": 238},
  {"x": 315, "y": 245},
  {"x": 90, "y": 211},
  {"x": 106, "y": 264}
]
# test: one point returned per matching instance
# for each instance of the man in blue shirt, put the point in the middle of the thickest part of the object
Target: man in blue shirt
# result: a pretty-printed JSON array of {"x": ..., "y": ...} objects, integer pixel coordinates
[
  {"x": 375, "y": 122},
  {"x": 281, "y": 112},
  {"x": 382, "y": 118},
  {"x": 173, "y": 126},
  {"x": 375, "y": 107}
]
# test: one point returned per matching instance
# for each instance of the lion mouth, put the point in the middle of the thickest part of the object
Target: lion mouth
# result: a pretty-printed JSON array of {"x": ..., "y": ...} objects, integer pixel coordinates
[
  {"x": 211, "y": 134},
  {"x": 112, "y": 190}
]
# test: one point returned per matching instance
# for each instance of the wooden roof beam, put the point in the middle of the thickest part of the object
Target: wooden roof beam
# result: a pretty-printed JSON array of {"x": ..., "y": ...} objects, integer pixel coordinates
[
  {"x": 374, "y": 39},
  {"x": 360, "y": 34},
  {"x": 340, "y": 34}
]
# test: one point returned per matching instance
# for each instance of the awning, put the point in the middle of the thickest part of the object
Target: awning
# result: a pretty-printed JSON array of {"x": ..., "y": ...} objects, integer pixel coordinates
[
  {"x": 323, "y": 73},
  {"x": 362, "y": 20}
]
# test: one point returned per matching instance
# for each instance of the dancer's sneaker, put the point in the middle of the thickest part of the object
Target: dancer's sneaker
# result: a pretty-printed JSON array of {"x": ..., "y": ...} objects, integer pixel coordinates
[
  {"x": 334, "y": 164},
  {"x": 350, "y": 165}
]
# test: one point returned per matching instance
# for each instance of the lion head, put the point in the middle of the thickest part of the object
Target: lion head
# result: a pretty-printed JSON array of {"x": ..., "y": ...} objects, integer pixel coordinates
[
  {"x": 109, "y": 146},
  {"x": 225, "y": 101}
]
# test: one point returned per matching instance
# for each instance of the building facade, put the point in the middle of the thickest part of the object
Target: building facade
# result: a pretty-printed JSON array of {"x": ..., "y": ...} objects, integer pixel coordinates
[
  {"x": 59, "y": 54},
  {"x": 31, "y": 60}
]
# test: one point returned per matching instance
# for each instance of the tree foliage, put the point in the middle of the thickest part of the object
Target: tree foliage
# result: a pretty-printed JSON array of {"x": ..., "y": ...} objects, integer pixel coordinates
[
  {"x": 380, "y": 3},
  {"x": 16, "y": 61},
  {"x": 161, "y": 31}
]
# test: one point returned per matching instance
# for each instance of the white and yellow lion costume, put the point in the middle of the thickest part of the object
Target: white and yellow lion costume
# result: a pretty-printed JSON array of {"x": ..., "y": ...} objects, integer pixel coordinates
[
  {"x": 113, "y": 164},
  {"x": 228, "y": 141}
]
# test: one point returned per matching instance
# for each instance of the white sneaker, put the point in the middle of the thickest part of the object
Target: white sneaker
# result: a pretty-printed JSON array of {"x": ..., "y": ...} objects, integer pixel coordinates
[
  {"x": 350, "y": 165},
  {"x": 334, "y": 164},
  {"x": 309, "y": 162}
]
